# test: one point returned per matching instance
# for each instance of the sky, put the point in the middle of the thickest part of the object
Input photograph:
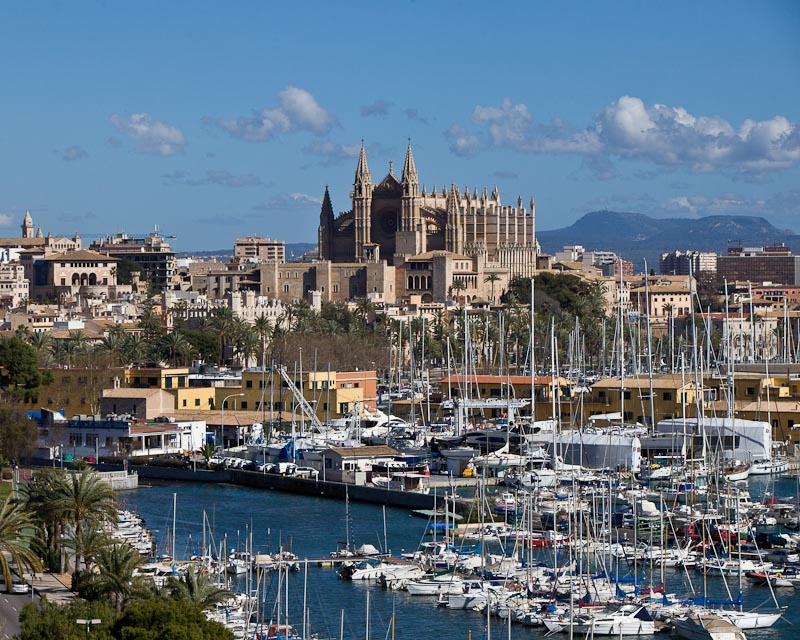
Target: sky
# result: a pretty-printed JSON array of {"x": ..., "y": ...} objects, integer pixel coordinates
[{"x": 214, "y": 120}]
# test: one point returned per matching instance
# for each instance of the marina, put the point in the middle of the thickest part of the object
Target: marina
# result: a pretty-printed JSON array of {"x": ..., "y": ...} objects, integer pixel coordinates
[{"x": 275, "y": 520}]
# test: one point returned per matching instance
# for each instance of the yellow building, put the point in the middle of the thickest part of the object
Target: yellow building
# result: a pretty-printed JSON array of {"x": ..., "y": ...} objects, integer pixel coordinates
[
  {"x": 670, "y": 392},
  {"x": 332, "y": 394},
  {"x": 157, "y": 378},
  {"x": 75, "y": 391}
]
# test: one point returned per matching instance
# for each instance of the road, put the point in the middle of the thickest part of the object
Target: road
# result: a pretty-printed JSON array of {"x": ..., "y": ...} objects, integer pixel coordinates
[{"x": 10, "y": 606}]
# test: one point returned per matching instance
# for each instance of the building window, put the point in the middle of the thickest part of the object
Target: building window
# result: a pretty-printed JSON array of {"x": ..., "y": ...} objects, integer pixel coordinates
[
  {"x": 244, "y": 404},
  {"x": 184, "y": 401},
  {"x": 249, "y": 384},
  {"x": 667, "y": 396},
  {"x": 75, "y": 439},
  {"x": 342, "y": 407},
  {"x": 197, "y": 402}
]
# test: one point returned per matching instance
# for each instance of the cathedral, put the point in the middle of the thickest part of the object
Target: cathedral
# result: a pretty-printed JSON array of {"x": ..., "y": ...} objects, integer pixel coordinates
[{"x": 394, "y": 220}]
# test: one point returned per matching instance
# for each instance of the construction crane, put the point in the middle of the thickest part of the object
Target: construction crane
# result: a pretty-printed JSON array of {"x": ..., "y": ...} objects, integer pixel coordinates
[{"x": 299, "y": 398}]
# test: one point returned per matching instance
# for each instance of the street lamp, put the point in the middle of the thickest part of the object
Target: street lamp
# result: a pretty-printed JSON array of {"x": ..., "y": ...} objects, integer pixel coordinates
[
  {"x": 89, "y": 623},
  {"x": 222, "y": 420}
]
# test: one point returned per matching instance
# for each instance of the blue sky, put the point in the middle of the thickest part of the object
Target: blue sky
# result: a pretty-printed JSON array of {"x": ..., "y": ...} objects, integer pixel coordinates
[{"x": 216, "y": 120}]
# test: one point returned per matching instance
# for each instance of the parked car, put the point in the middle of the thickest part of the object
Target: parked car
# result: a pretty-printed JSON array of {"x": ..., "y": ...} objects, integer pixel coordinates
[
  {"x": 247, "y": 464},
  {"x": 306, "y": 472},
  {"x": 265, "y": 467}
]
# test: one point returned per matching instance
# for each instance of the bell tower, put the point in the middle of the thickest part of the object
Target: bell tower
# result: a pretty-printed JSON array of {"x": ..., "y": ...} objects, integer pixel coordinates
[{"x": 362, "y": 205}]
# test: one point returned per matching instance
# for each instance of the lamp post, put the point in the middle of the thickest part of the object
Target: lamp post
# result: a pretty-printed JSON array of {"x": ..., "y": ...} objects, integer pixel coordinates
[
  {"x": 222, "y": 420},
  {"x": 89, "y": 622}
]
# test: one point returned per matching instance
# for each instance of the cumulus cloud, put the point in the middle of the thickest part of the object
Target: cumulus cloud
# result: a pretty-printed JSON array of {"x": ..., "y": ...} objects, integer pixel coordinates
[
  {"x": 298, "y": 110},
  {"x": 462, "y": 143},
  {"x": 114, "y": 143},
  {"x": 213, "y": 177},
  {"x": 629, "y": 128},
  {"x": 6, "y": 220},
  {"x": 332, "y": 152},
  {"x": 379, "y": 108},
  {"x": 73, "y": 153},
  {"x": 151, "y": 136}
]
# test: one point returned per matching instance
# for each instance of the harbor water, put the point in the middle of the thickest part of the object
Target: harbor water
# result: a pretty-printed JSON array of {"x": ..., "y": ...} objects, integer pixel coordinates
[{"x": 312, "y": 527}]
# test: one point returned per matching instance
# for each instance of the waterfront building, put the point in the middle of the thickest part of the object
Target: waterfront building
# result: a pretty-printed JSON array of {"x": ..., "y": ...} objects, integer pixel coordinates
[
  {"x": 121, "y": 438},
  {"x": 774, "y": 264},
  {"x": 333, "y": 394}
]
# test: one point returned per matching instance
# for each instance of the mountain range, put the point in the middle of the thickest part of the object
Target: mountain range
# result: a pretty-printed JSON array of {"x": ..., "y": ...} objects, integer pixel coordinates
[{"x": 638, "y": 237}]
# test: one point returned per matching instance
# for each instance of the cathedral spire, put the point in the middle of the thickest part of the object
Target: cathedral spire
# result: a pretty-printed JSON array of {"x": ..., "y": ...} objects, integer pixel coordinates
[
  {"x": 409, "y": 168},
  {"x": 362, "y": 170},
  {"x": 327, "y": 207}
]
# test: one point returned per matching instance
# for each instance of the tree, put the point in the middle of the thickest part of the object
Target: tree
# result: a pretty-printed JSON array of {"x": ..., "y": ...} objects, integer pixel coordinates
[
  {"x": 158, "y": 619},
  {"x": 18, "y": 532},
  {"x": 197, "y": 588},
  {"x": 116, "y": 564},
  {"x": 19, "y": 367},
  {"x": 41, "y": 495},
  {"x": 207, "y": 451},
  {"x": 18, "y": 434},
  {"x": 86, "y": 498},
  {"x": 492, "y": 278},
  {"x": 42, "y": 619},
  {"x": 458, "y": 286}
]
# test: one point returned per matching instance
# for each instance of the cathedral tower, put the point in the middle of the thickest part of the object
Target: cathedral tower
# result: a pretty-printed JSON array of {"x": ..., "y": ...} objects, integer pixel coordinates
[
  {"x": 27, "y": 226},
  {"x": 362, "y": 205},
  {"x": 325, "y": 238}
]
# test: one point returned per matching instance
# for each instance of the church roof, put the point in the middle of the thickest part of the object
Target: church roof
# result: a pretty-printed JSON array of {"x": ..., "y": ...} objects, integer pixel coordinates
[{"x": 362, "y": 170}]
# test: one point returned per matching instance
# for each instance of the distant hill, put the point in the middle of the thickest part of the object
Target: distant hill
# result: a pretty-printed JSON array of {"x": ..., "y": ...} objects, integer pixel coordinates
[{"x": 637, "y": 237}]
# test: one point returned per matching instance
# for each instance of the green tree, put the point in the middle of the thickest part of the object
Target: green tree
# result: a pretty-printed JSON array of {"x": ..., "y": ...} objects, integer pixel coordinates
[
  {"x": 158, "y": 619},
  {"x": 116, "y": 564},
  {"x": 41, "y": 496},
  {"x": 18, "y": 533},
  {"x": 492, "y": 278},
  {"x": 86, "y": 499},
  {"x": 197, "y": 588},
  {"x": 19, "y": 435},
  {"x": 18, "y": 367},
  {"x": 42, "y": 619}
]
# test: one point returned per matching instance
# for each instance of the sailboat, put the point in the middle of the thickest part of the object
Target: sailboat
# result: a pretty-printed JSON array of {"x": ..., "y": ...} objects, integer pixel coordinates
[{"x": 706, "y": 626}]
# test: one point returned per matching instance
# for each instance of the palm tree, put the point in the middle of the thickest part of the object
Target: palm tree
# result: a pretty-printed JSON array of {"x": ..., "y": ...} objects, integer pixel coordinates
[
  {"x": 492, "y": 278},
  {"x": 197, "y": 588},
  {"x": 18, "y": 533},
  {"x": 116, "y": 564},
  {"x": 41, "y": 343},
  {"x": 41, "y": 497},
  {"x": 86, "y": 498},
  {"x": 89, "y": 545},
  {"x": 263, "y": 327},
  {"x": 458, "y": 286}
]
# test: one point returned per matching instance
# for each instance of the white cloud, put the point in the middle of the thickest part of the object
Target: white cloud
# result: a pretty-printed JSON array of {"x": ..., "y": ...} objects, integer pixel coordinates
[
  {"x": 332, "y": 152},
  {"x": 462, "y": 143},
  {"x": 628, "y": 128},
  {"x": 73, "y": 153},
  {"x": 298, "y": 111},
  {"x": 6, "y": 220},
  {"x": 292, "y": 201},
  {"x": 152, "y": 136}
]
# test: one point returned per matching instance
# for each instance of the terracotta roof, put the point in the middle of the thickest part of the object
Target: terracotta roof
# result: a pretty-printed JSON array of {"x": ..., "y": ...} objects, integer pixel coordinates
[{"x": 82, "y": 254}]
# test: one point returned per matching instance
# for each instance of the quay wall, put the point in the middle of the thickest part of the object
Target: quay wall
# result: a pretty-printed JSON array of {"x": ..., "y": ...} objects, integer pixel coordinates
[{"x": 288, "y": 484}]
